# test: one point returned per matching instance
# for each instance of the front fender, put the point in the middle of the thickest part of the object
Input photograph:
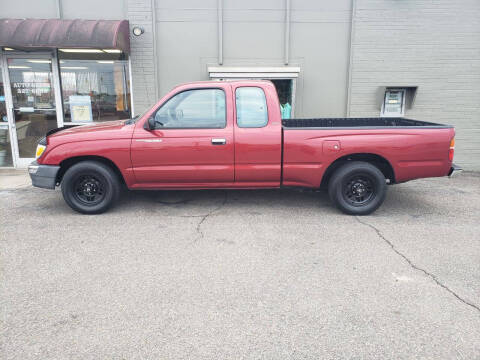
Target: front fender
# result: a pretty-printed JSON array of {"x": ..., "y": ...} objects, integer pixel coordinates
[{"x": 116, "y": 151}]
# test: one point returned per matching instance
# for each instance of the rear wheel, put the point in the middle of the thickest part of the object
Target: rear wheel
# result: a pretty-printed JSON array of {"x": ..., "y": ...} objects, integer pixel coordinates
[
  {"x": 90, "y": 187},
  {"x": 357, "y": 188}
]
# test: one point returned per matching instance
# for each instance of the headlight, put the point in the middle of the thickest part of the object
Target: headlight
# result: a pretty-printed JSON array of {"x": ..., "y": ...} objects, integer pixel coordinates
[{"x": 42, "y": 145}]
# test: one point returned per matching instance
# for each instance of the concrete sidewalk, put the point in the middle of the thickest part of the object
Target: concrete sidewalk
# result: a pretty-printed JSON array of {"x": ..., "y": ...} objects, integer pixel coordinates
[{"x": 14, "y": 179}]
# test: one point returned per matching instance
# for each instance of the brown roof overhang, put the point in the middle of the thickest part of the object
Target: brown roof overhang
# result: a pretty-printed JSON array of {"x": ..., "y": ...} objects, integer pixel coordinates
[{"x": 56, "y": 33}]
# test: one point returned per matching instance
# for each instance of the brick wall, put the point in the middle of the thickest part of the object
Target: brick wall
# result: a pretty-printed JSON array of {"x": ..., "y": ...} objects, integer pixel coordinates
[
  {"x": 434, "y": 45},
  {"x": 139, "y": 13}
]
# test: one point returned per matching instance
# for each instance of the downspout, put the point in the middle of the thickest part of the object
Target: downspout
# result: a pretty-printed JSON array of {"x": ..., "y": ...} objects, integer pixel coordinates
[
  {"x": 350, "y": 61},
  {"x": 59, "y": 9},
  {"x": 155, "y": 53},
  {"x": 220, "y": 31},
  {"x": 287, "y": 32}
]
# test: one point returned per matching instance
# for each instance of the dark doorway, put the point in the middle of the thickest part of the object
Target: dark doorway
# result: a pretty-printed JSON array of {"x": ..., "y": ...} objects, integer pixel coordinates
[{"x": 284, "y": 90}]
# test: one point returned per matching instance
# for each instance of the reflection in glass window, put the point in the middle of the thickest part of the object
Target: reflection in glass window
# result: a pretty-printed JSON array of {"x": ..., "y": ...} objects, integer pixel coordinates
[
  {"x": 3, "y": 106},
  {"x": 95, "y": 87},
  {"x": 201, "y": 108},
  {"x": 5, "y": 148},
  {"x": 251, "y": 107}
]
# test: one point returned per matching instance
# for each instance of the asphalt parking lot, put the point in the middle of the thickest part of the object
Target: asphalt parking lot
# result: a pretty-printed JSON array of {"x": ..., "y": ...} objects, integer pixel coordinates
[{"x": 243, "y": 275}]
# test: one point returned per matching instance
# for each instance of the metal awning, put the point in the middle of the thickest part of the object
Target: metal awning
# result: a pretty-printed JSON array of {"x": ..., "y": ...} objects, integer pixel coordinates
[{"x": 56, "y": 33}]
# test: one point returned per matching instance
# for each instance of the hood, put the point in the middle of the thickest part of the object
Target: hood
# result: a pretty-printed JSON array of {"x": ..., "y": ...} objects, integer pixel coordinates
[{"x": 116, "y": 129}]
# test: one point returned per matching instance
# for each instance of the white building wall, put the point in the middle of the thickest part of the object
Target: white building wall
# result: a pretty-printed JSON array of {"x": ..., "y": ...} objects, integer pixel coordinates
[{"x": 253, "y": 35}]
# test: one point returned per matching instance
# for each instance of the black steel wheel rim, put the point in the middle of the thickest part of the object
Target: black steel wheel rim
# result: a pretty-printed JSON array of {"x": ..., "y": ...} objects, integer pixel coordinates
[
  {"x": 359, "y": 190},
  {"x": 89, "y": 189}
]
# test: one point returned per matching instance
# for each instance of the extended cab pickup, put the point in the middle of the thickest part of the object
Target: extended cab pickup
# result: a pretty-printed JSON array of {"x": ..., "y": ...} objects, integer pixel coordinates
[{"x": 230, "y": 135}]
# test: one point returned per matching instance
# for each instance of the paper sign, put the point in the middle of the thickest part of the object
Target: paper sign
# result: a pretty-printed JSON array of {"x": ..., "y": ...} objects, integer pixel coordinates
[
  {"x": 26, "y": 109},
  {"x": 80, "y": 108}
]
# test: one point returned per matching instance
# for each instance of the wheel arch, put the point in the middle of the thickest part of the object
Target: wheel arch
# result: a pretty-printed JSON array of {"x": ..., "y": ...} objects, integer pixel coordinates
[
  {"x": 377, "y": 160},
  {"x": 68, "y": 163}
]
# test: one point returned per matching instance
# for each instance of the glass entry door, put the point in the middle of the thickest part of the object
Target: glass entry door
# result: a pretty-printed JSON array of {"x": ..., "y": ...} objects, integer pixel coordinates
[{"x": 33, "y": 87}]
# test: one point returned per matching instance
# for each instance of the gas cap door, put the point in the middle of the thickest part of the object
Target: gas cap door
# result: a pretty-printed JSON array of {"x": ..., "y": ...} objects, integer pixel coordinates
[{"x": 330, "y": 146}]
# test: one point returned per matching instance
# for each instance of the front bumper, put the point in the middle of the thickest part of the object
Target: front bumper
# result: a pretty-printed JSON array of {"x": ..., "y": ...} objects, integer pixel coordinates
[
  {"x": 454, "y": 170},
  {"x": 43, "y": 176}
]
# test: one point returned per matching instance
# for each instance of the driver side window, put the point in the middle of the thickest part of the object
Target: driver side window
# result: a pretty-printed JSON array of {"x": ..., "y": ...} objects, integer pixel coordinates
[{"x": 199, "y": 108}]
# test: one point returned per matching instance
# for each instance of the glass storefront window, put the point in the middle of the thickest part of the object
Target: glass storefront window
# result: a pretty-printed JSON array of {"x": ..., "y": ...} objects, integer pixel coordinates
[{"x": 95, "y": 87}]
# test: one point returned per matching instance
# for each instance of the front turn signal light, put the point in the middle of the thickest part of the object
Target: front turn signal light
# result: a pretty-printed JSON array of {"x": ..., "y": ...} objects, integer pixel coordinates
[
  {"x": 451, "y": 150},
  {"x": 40, "y": 150}
]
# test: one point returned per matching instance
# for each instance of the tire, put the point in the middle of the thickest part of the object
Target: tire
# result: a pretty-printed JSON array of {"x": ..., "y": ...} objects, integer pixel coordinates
[
  {"x": 357, "y": 188},
  {"x": 90, "y": 187}
]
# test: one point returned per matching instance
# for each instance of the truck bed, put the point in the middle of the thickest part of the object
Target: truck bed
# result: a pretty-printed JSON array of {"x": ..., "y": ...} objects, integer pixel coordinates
[
  {"x": 378, "y": 122},
  {"x": 413, "y": 148}
]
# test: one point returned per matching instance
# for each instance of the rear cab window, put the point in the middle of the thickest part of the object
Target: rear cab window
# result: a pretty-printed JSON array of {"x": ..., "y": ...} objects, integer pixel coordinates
[{"x": 251, "y": 105}]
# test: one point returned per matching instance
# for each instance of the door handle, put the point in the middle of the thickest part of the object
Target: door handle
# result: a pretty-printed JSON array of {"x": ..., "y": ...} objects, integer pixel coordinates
[{"x": 219, "y": 141}]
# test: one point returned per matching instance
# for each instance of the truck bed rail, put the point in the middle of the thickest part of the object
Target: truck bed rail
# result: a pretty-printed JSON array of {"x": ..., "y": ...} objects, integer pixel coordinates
[{"x": 378, "y": 122}]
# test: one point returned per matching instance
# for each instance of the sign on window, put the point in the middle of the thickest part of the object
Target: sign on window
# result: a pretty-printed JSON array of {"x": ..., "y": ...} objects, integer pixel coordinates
[{"x": 80, "y": 108}]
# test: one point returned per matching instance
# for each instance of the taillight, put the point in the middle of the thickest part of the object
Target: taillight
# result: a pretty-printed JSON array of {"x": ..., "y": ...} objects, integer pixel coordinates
[{"x": 451, "y": 150}]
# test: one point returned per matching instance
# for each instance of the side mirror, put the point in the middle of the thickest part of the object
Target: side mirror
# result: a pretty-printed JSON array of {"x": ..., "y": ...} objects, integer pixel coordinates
[{"x": 150, "y": 123}]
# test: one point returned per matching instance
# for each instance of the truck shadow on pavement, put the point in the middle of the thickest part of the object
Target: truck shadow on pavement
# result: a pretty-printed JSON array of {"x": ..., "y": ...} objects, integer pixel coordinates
[
  {"x": 398, "y": 201},
  {"x": 268, "y": 197}
]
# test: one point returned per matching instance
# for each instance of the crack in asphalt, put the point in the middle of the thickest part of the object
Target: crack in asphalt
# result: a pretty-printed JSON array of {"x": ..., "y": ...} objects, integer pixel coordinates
[
  {"x": 416, "y": 267},
  {"x": 205, "y": 217}
]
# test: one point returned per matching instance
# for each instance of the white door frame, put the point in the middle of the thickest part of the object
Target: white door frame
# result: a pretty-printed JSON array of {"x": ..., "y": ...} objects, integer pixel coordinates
[
  {"x": 9, "y": 106},
  {"x": 52, "y": 56}
]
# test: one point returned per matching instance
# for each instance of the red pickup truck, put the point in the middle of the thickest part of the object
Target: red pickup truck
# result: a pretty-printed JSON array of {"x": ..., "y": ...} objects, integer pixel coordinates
[{"x": 230, "y": 135}]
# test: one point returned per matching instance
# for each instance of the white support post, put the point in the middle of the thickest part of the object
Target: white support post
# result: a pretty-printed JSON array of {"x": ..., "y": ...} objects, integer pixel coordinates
[{"x": 57, "y": 84}]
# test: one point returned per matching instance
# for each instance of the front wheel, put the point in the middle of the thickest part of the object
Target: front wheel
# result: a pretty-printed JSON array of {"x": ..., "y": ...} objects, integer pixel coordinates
[
  {"x": 90, "y": 187},
  {"x": 357, "y": 188}
]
